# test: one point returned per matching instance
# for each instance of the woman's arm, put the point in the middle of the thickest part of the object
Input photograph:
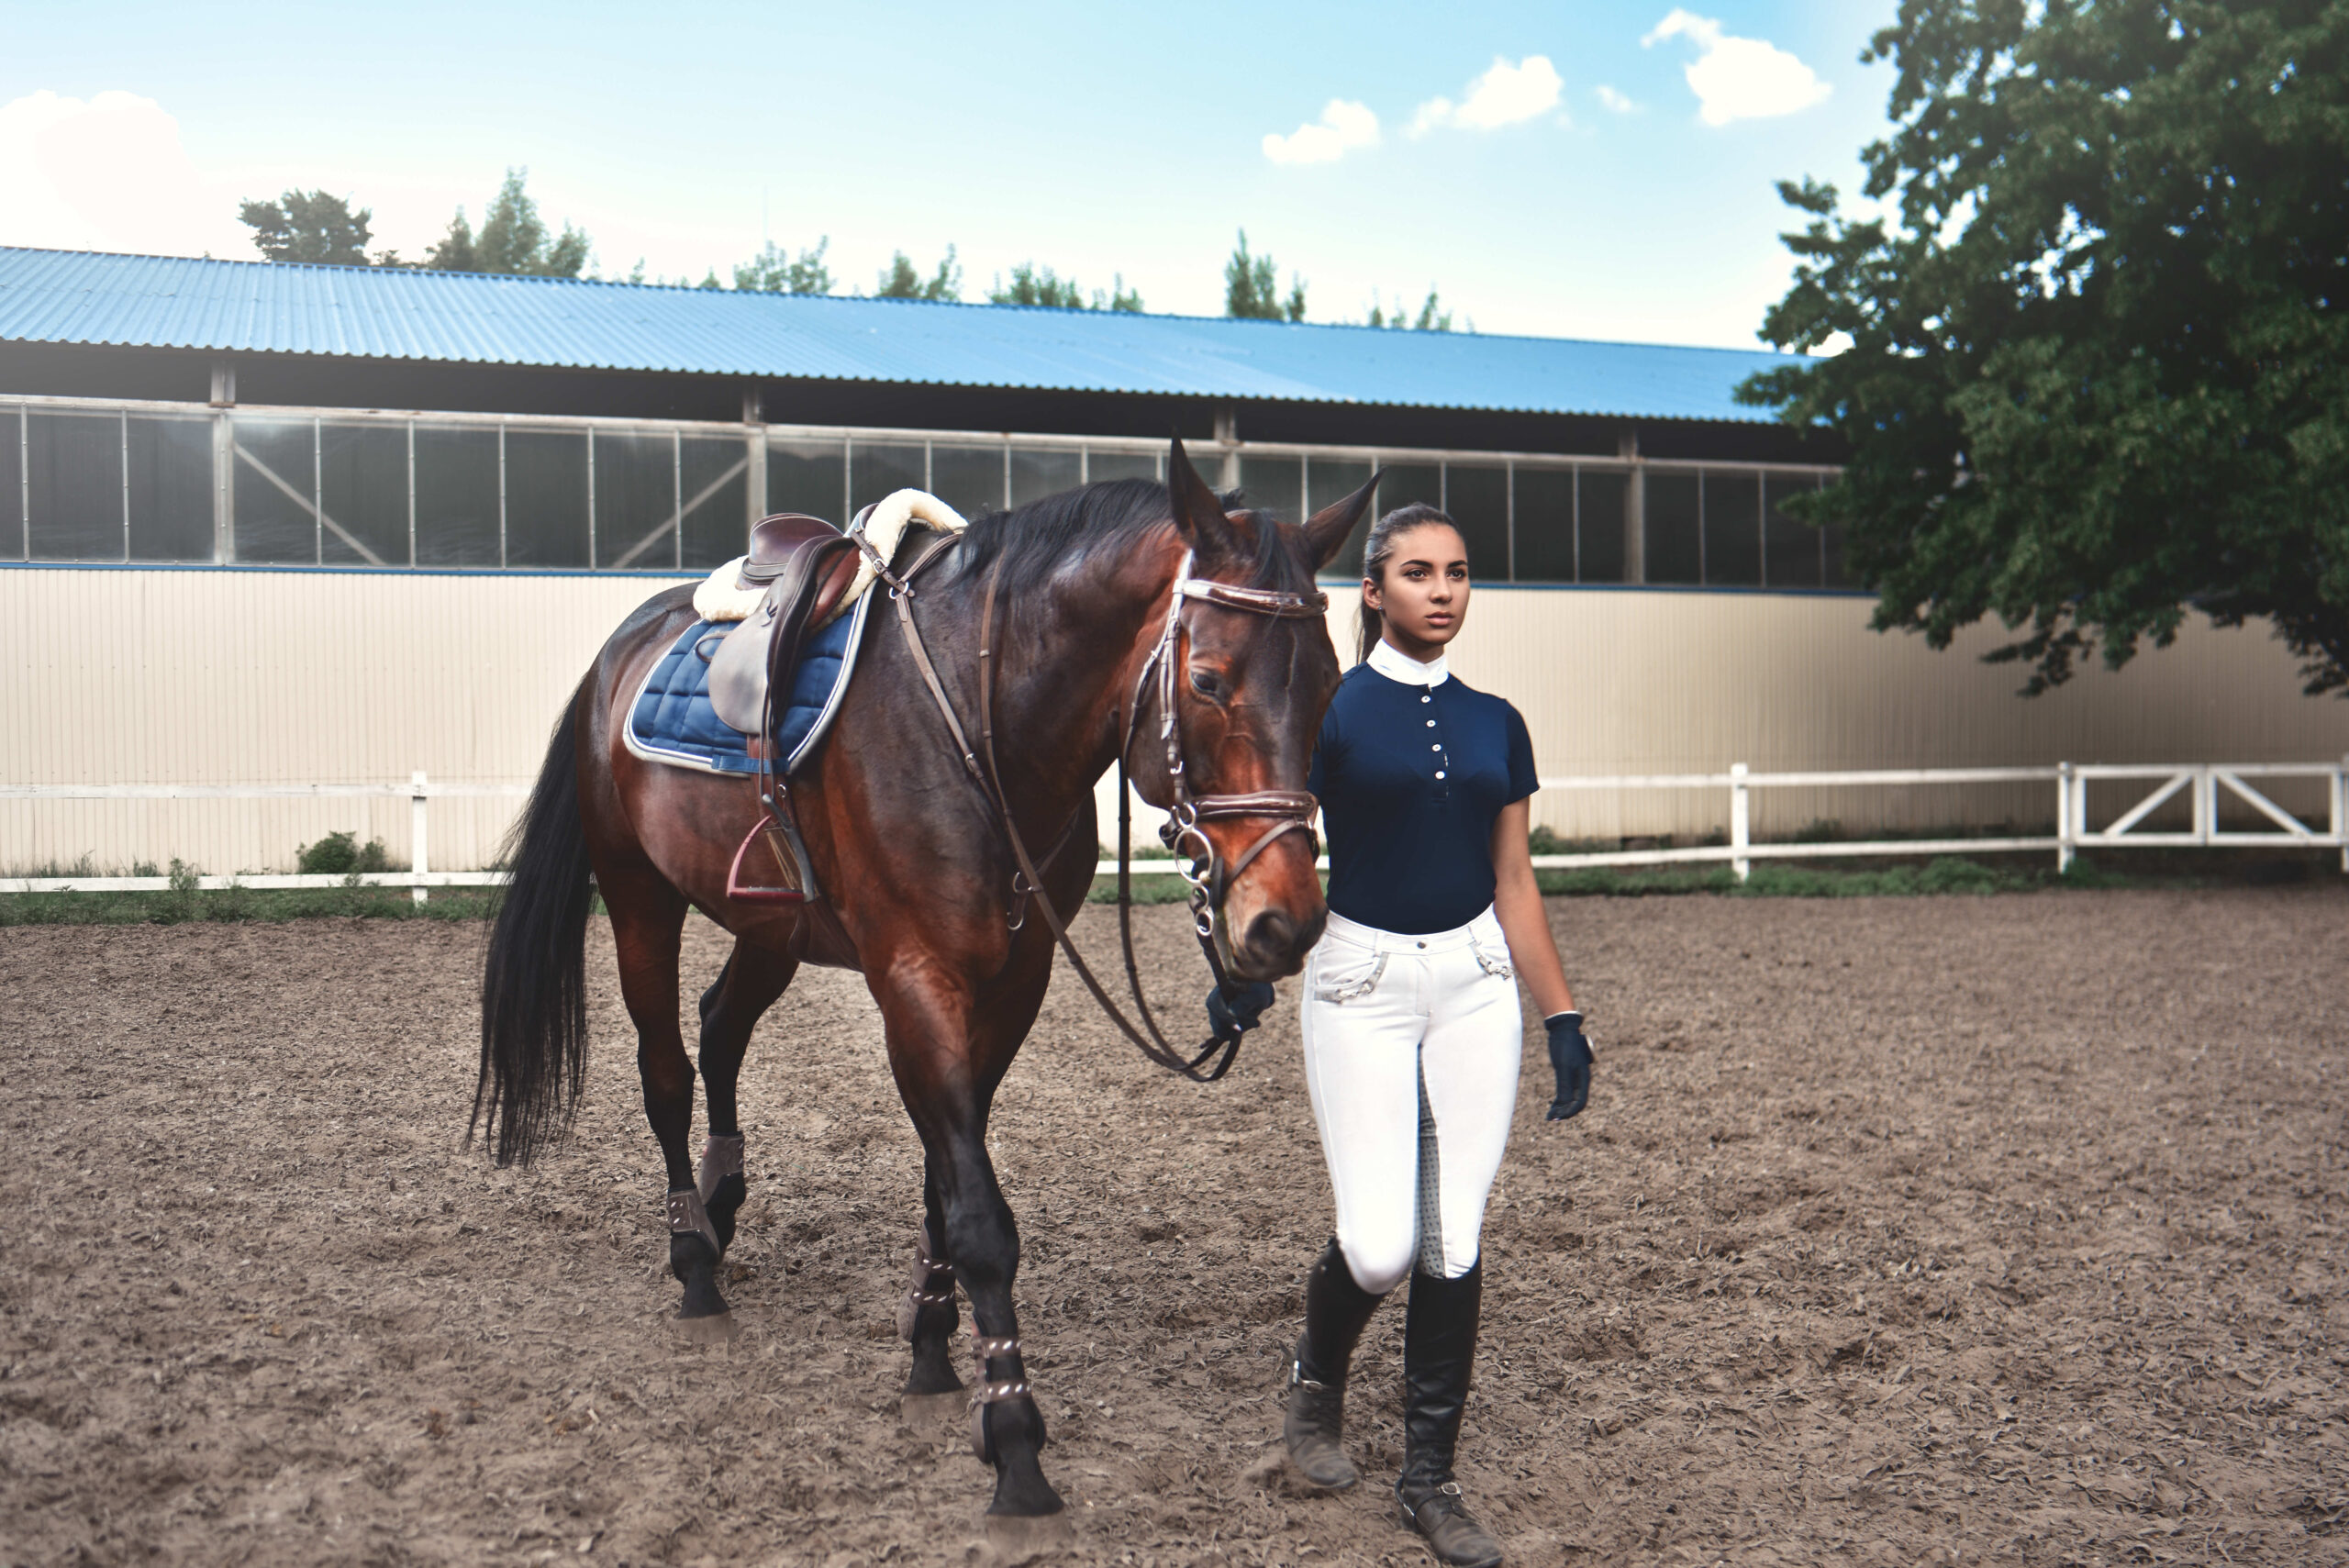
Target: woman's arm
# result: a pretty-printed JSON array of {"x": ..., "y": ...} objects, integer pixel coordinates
[{"x": 1517, "y": 901}]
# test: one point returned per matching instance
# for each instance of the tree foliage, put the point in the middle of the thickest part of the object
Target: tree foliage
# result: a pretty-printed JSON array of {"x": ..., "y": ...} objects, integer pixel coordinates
[
  {"x": 901, "y": 282},
  {"x": 310, "y": 226},
  {"x": 2098, "y": 372},
  {"x": 1252, "y": 288},
  {"x": 1032, "y": 284},
  {"x": 1433, "y": 317},
  {"x": 514, "y": 239},
  {"x": 776, "y": 271}
]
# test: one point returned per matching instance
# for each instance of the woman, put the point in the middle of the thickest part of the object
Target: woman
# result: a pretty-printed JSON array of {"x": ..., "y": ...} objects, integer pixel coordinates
[{"x": 1412, "y": 1031}]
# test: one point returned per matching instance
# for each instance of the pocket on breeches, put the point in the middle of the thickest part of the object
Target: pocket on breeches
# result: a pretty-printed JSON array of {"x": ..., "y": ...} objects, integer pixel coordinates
[
  {"x": 1348, "y": 975},
  {"x": 1492, "y": 956}
]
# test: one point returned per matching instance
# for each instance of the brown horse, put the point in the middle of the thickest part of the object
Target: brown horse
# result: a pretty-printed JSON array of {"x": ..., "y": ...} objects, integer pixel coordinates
[{"x": 915, "y": 854}]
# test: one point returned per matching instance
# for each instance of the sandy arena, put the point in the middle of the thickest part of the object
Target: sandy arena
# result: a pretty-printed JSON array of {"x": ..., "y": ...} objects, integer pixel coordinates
[{"x": 1930, "y": 1230}]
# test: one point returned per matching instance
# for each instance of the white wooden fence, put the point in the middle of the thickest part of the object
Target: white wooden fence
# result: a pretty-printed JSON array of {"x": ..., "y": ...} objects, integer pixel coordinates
[{"x": 2206, "y": 786}]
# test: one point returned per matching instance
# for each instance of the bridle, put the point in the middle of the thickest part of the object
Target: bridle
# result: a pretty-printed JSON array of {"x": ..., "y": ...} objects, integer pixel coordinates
[{"x": 1202, "y": 866}]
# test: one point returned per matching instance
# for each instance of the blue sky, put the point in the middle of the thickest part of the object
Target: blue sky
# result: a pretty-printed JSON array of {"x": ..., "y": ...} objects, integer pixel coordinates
[{"x": 1598, "y": 170}]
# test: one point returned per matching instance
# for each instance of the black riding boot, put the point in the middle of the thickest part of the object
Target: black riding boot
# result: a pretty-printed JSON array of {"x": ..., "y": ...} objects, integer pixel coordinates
[
  {"x": 1438, "y": 1346},
  {"x": 1335, "y": 1310}
]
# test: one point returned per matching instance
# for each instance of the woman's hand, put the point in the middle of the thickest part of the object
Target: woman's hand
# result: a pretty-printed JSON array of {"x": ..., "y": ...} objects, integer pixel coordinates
[{"x": 1570, "y": 1056}]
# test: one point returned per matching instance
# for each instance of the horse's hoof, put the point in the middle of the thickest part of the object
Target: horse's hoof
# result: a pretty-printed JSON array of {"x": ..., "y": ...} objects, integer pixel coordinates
[
  {"x": 710, "y": 1329},
  {"x": 1024, "y": 1501}
]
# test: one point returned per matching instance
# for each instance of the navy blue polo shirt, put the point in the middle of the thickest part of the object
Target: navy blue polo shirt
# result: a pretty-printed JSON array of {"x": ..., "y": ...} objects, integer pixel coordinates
[{"x": 1410, "y": 778}]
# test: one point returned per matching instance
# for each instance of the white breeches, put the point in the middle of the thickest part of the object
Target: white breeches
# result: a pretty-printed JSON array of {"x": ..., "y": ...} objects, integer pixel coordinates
[{"x": 1411, "y": 1053}]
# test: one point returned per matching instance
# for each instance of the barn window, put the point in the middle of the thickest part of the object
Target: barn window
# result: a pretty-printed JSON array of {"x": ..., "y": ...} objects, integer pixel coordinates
[
  {"x": 809, "y": 477},
  {"x": 1036, "y": 474},
  {"x": 877, "y": 469},
  {"x": 547, "y": 508},
  {"x": 1602, "y": 502},
  {"x": 1275, "y": 484},
  {"x": 972, "y": 480},
  {"x": 169, "y": 493}
]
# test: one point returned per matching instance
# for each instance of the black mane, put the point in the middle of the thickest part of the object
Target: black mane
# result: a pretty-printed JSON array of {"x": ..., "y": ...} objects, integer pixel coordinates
[{"x": 1035, "y": 540}]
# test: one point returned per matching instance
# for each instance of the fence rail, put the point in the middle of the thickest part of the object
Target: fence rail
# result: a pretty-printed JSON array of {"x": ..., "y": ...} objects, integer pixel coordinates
[{"x": 2206, "y": 786}]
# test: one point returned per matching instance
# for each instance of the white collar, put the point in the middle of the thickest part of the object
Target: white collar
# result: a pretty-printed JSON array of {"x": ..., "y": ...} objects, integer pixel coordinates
[{"x": 1396, "y": 665}]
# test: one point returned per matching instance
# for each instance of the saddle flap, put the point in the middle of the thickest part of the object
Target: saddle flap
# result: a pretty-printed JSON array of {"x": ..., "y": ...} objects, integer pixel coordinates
[{"x": 807, "y": 586}]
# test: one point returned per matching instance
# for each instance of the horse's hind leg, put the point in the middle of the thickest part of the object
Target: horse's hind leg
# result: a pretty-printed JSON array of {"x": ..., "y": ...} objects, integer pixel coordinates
[
  {"x": 753, "y": 977},
  {"x": 648, "y": 926}
]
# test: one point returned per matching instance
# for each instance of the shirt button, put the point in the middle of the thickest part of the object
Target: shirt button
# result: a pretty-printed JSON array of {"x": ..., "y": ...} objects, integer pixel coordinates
[
  {"x": 1437, "y": 746},
  {"x": 1439, "y": 773},
  {"x": 1427, "y": 699},
  {"x": 1423, "y": 944},
  {"x": 1430, "y": 724}
]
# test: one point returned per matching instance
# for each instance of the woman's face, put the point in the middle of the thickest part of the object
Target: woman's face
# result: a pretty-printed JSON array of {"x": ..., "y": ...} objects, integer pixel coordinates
[{"x": 1425, "y": 595}]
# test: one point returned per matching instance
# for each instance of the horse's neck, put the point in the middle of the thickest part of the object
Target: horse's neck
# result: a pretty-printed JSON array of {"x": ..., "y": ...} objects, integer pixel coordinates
[{"x": 1060, "y": 699}]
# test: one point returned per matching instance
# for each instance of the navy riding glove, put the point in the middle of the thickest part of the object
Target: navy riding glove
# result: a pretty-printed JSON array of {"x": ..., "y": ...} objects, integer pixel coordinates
[
  {"x": 1233, "y": 1010},
  {"x": 1570, "y": 1054}
]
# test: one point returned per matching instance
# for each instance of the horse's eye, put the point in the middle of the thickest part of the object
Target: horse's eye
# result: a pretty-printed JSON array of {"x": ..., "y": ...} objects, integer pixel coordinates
[{"x": 1205, "y": 682}]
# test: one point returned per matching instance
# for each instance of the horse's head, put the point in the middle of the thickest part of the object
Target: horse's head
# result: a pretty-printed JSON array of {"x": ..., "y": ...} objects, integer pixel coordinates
[{"x": 1226, "y": 711}]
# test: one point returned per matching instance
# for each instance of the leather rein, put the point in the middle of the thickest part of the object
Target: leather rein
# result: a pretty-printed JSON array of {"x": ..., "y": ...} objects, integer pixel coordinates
[{"x": 1202, "y": 867}]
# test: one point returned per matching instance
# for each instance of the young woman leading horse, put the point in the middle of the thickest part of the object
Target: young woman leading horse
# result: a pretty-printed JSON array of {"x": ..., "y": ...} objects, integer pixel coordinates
[{"x": 1123, "y": 623}]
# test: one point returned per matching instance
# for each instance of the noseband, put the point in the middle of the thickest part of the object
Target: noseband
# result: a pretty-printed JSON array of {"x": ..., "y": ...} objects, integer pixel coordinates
[
  {"x": 1203, "y": 868},
  {"x": 1291, "y": 811}
]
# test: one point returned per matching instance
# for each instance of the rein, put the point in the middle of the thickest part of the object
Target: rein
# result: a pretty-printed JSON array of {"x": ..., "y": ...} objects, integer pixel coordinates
[{"x": 1204, "y": 870}]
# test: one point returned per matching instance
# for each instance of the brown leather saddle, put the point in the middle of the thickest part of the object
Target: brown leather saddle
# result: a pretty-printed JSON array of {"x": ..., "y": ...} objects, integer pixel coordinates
[{"x": 805, "y": 565}]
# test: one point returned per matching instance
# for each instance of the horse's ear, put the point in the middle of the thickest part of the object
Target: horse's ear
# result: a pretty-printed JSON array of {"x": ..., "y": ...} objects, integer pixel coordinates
[
  {"x": 1198, "y": 511},
  {"x": 1328, "y": 529}
]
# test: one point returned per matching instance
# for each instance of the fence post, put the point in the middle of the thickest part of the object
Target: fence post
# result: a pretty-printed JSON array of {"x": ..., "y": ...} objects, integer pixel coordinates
[
  {"x": 415, "y": 833},
  {"x": 2066, "y": 828},
  {"x": 1739, "y": 823},
  {"x": 2341, "y": 810}
]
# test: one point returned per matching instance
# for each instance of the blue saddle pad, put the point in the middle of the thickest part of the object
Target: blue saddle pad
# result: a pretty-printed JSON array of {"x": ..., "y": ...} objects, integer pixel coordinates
[{"x": 674, "y": 722}]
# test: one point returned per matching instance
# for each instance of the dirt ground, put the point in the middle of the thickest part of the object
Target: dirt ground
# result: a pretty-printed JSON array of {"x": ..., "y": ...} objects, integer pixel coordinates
[{"x": 1928, "y": 1230}]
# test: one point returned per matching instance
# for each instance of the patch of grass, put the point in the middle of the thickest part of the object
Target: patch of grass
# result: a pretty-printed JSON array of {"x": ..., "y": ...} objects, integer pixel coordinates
[
  {"x": 1636, "y": 881},
  {"x": 243, "y": 904}
]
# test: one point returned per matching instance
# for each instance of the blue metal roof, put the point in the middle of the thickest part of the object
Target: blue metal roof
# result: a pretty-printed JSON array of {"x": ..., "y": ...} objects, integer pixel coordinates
[{"x": 75, "y": 296}]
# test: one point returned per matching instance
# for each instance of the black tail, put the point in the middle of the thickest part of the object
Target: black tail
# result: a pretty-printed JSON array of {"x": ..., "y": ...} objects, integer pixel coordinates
[{"x": 534, "y": 983}]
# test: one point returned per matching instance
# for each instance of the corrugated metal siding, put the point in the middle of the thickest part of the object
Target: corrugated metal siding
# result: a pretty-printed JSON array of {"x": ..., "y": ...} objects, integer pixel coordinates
[
  {"x": 221, "y": 677},
  {"x": 61, "y": 296}
]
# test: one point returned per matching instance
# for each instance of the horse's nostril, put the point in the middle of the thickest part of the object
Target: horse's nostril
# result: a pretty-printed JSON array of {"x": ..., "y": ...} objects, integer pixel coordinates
[{"x": 1272, "y": 938}]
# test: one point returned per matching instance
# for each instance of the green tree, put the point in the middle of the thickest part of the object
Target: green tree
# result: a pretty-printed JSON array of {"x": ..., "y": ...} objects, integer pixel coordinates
[
  {"x": 1252, "y": 288},
  {"x": 2097, "y": 372},
  {"x": 514, "y": 239},
  {"x": 1032, "y": 284},
  {"x": 1433, "y": 317},
  {"x": 310, "y": 226},
  {"x": 774, "y": 270},
  {"x": 901, "y": 282}
]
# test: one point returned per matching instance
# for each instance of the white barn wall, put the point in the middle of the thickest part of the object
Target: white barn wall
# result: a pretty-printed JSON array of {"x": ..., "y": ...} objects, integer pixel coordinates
[{"x": 307, "y": 678}]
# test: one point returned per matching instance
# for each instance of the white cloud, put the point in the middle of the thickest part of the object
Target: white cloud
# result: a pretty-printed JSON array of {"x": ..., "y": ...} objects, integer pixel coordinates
[
  {"x": 107, "y": 173},
  {"x": 1740, "y": 79},
  {"x": 1615, "y": 100},
  {"x": 1343, "y": 127},
  {"x": 1505, "y": 96}
]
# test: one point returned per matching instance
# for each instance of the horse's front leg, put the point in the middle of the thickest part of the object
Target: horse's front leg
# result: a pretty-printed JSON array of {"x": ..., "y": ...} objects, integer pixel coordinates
[{"x": 948, "y": 1061}]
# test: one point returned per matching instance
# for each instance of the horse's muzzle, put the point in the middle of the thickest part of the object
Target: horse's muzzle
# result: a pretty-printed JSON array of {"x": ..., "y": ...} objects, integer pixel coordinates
[{"x": 1275, "y": 944}]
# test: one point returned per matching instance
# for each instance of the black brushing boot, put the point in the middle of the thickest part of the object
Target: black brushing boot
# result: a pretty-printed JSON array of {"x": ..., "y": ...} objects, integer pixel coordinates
[
  {"x": 1439, "y": 1347},
  {"x": 1335, "y": 1310}
]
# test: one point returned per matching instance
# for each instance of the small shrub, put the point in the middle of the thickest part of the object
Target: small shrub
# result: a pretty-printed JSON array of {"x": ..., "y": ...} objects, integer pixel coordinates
[
  {"x": 1820, "y": 830},
  {"x": 179, "y": 903},
  {"x": 342, "y": 854}
]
